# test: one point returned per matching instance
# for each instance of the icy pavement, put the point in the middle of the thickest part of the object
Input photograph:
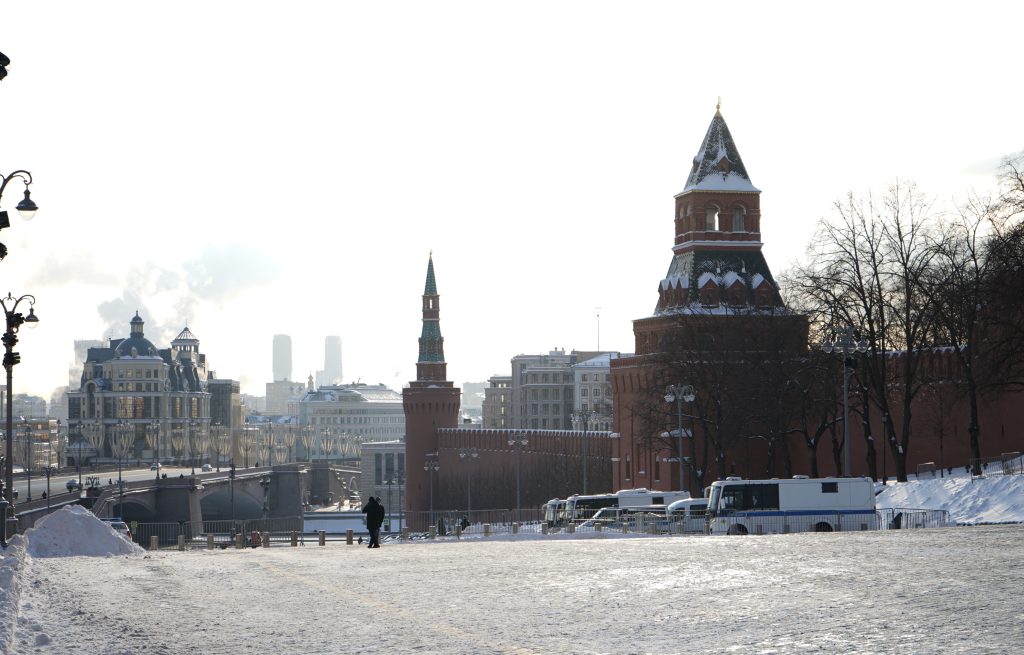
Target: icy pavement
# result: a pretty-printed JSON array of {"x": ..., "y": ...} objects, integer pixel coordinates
[{"x": 927, "y": 591}]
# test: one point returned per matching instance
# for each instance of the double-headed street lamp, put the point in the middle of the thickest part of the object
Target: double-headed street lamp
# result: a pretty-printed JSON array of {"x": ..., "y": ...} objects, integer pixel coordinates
[
  {"x": 470, "y": 455},
  {"x": 431, "y": 466},
  {"x": 678, "y": 394},
  {"x": 844, "y": 343},
  {"x": 584, "y": 419},
  {"x": 10, "y": 339},
  {"x": 518, "y": 442}
]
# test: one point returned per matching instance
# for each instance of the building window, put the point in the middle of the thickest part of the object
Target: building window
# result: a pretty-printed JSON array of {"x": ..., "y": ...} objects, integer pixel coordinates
[
  {"x": 712, "y": 220},
  {"x": 737, "y": 219}
]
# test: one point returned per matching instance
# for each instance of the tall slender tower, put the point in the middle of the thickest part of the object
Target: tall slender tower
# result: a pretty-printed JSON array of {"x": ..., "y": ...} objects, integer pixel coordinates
[
  {"x": 430, "y": 401},
  {"x": 282, "y": 357}
]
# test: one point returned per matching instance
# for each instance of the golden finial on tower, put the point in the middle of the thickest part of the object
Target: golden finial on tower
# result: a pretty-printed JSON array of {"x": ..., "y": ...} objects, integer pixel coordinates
[{"x": 718, "y": 107}]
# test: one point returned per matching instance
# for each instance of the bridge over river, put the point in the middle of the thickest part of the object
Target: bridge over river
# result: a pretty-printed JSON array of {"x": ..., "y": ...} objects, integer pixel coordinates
[{"x": 268, "y": 492}]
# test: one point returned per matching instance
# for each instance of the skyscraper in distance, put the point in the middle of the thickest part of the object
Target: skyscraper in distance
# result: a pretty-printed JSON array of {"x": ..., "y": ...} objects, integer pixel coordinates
[
  {"x": 282, "y": 357},
  {"x": 332, "y": 360}
]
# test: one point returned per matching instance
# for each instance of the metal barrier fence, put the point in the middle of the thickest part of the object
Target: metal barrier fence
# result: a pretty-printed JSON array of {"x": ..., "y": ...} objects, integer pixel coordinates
[
  {"x": 1005, "y": 464},
  {"x": 222, "y": 534},
  {"x": 198, "y": 534}
]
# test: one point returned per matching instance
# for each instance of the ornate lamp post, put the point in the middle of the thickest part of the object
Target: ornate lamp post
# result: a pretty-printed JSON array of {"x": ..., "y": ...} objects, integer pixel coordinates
[
  {"x": 10, "y": 339},
  {"x": 431, "y": 466},
  {"x": 265, "y": 484},
  {"x": 843, "y": 343},
  {"x": 583, "y": 419},
  {"x": 518, "y": 442},
  {"x": 26, "y": 430},
  {"x": 680, "y": 393},
  {"x": 154, "y": 436},
  {"x": 470, "y": 455}
]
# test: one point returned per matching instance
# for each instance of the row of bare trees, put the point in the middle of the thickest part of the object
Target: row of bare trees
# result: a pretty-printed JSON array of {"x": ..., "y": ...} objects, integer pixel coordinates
[{"x": 913, "y": 279}]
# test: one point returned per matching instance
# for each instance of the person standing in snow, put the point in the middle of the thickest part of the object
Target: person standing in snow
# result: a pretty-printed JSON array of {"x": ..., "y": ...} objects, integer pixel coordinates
[{"x": 374, "y": 519}]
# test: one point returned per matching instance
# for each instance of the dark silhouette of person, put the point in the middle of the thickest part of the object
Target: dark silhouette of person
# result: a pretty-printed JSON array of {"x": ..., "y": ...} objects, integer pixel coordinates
[{"x": 374, "y": 519}]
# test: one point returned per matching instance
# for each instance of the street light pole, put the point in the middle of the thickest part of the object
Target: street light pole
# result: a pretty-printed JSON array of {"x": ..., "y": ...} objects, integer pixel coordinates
[
  {"x": 470, "y": 455},
  {"x": 10, "y": 339},
  {"x": 584, "y": 418},
  {"x": 679, "y": 393},
  {"x": 843, "y": 343},
  {"x": 518, "y": 443},
  {"x": 431, "y": 465},
  {"x": 27, "y": 431}
]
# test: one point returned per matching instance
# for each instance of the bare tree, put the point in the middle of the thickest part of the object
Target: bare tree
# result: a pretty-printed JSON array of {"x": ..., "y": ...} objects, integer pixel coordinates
[{"x": 866, "y": 270}]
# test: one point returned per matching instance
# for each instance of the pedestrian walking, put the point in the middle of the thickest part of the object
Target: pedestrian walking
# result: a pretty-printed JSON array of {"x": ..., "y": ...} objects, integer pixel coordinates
[{"x": 374, "y": 519}]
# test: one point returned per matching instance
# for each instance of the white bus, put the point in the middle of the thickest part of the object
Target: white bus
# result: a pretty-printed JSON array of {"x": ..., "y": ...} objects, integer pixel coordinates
[
  {"x": 581, "y": 508},
  {"x": 737, "y": 506},
  {"x": 554, "y": 512}
]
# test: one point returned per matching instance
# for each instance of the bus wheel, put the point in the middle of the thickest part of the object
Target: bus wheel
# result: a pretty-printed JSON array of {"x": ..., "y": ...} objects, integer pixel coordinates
[
  {"x": 822, "y": 526},
  {"x": 739, "y": 528}
]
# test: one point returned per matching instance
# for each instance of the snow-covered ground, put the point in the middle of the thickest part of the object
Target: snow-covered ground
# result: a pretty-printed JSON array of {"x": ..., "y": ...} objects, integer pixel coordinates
[{"x": 946, "y": 590}]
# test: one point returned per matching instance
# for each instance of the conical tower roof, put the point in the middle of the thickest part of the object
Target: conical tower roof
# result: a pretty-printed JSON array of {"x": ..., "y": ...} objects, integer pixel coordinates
[
  {"x": 431, "y": 287},
  {"x": 718, "y": 166}
]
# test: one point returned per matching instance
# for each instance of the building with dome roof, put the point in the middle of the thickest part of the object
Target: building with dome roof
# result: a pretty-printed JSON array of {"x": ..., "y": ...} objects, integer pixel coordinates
[{"x": 131, "y": 386}]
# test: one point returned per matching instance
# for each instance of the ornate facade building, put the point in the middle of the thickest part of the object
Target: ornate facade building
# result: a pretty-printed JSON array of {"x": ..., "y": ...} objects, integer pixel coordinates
[{"x": 131, "y": 393}]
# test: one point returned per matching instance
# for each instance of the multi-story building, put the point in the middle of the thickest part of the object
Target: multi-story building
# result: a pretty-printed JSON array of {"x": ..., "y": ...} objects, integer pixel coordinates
[
  {"x": 382, "y": 474},
  {"x": 497, "y": 406},
  {"x": 593, "y": 390},
  {"x": 542, "y": 391},
  {"x": 280, "y": 394},
  {"x": 131, "y": 388},
  {"x": 371, "y": 412}
]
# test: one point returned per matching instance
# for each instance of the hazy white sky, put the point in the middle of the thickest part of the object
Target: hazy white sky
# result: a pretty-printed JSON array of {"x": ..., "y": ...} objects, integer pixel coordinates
[{"x": 252, "y": 168}]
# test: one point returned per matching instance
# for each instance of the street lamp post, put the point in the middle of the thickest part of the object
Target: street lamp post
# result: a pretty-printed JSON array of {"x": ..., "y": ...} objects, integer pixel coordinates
[
  {"x": 154, "y": 430},
  {"x": 10, "y": 339},
  {"x": 431, "y": 466},
  {"x": 518, "y": 443},
  {"x": 265, "y": 484},
  {"x": 26, "y": 430},
  {"x": 680, "y": 393},
  {"x": 584, "y": 419},
  {"x": 843, "y": 343},
  {"x": 470, "y": 455},
  {"x": 78, "y": 461}
]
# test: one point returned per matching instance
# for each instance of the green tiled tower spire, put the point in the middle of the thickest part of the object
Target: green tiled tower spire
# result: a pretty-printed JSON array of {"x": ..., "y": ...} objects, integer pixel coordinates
[{"x": 431, "y": 364}]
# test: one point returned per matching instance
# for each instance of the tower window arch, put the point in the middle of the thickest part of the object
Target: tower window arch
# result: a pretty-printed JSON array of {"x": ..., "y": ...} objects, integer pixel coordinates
[
  {"x": 712, "y": 217},
  {"x": 738, "y": 214}
]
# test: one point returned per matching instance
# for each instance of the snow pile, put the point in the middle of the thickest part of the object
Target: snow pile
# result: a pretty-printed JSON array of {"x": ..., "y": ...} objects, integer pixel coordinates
[
  {"x": 994, "y": 499},
  {"x": 74, "y": 531},
  {"x": 12, "y": 559}
]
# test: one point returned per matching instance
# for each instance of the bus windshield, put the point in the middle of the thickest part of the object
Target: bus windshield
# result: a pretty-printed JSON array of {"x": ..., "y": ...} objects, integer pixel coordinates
[{"x": 716, "y": 495}]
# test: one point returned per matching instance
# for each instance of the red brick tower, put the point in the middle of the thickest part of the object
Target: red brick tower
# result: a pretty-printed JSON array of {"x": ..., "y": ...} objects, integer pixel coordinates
[
  {"x": 430, "y": 401},
  {"x": 718, "y": 282}
]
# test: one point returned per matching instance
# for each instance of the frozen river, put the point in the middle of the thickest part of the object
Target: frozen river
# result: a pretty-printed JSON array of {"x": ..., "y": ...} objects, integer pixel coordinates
[{"x": 928, "y": 591}]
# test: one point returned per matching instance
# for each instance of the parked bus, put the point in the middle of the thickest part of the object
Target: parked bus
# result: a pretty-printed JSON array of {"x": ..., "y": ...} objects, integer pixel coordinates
[
  {"x": 581, "y": 508},
  {"x": 554, "y": 512},
  {"x": 737, "y": 506}
]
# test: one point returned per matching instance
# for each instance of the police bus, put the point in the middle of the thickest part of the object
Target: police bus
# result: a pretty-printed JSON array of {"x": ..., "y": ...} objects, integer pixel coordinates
[
  {"x": 581, "y": 508},
  {"x": 802, "y": 504}
]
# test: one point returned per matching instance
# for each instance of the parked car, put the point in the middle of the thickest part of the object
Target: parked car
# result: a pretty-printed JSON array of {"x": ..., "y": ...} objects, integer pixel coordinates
[
  {"x": 155, "y": 466},
  {"x": 73, "y": 485},
  {"x": 207, "y": 468},
  {"x": 120, "y": 527}
]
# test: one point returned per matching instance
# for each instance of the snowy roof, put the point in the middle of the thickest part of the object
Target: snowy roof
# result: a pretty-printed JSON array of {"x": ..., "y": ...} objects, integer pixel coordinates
[{"x": 718, "y": 166}]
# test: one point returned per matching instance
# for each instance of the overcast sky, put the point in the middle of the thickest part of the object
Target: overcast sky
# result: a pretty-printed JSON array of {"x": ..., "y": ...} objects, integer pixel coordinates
[{"x": 253, "y": 168}]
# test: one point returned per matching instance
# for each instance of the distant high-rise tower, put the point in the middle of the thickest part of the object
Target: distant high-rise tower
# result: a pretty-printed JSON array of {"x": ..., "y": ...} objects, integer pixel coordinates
[
  {"x": 332, "y": 360},
  {"x": 282, "y": 357}
]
